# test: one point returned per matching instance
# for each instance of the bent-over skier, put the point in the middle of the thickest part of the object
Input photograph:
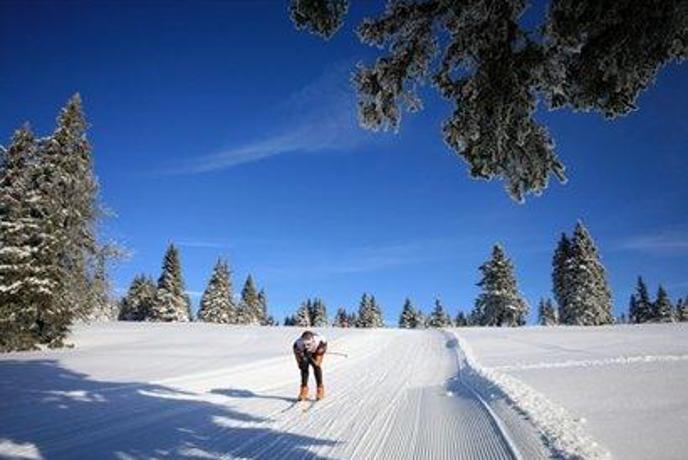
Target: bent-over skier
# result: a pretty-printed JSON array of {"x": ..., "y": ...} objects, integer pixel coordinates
[{"x": 309, "y": 350}]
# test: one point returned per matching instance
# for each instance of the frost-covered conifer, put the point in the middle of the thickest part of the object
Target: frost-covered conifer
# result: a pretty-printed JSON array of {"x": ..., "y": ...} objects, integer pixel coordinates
[
  {"x": 171, "y": 302},
  {"x": 137, "y": 304},
  {"x": 341, "y": 318},
  {"x": 547, "y": 314},
  {"x": 460, "y": 320},
  {"x": 662, "y": 308},
  {"x": 26, "y": 284},
  {"x": 217, "y": 302},
  {"x": 439, "y": 317},
  {"x": 407, "y": 319},
  {"x": 561, "y": 276},
  {"x": 496, "y": 68},
  {"x": 681, "y": 314},
  {"x": 251, "y": 307},
  {"x": 303, "y": 316},
  {"x": 500, "y": 303},
  {"x": 640, "y": 306},
  {"x": 70, "y": 191},
  {"x": 318, "y": 313},
  {"x": 266, "y": 319},
  {"x": 580, "y": 282},
  {"x": 369, "y": 313}
]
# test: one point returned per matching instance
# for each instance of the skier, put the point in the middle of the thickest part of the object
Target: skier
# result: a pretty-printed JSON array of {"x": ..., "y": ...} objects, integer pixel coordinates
[{"x": 309, "y": 350}]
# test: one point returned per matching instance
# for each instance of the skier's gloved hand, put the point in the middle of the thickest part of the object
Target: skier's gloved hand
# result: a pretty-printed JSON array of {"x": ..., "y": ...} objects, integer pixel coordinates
[{"x": 318, "y": 359}]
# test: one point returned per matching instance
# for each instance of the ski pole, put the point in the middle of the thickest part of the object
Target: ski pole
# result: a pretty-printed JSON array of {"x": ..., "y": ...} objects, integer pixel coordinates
[{"x": 337, "y": 353}]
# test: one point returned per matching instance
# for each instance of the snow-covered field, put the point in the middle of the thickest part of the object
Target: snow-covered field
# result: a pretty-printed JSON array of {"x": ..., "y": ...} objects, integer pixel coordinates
[
  {"x": 141, "y": 390},
  {"x": 625, "y": 387}
]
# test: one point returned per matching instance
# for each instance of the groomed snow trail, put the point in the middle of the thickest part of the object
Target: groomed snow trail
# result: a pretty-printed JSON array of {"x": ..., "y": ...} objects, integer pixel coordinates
[{"x": 198, "y": 391}]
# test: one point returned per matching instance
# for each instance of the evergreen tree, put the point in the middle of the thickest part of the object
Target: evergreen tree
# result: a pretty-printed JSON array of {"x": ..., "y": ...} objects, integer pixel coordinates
[
  {"x": 137, "y": 304},
  {"x": 421, "y": 321},
  {"x": 267, "y": 319},
  {"x": 251, "y": 308},
  {"x": 496, "y": 68},
  {"x": 171, "y": 302},
  {"x": 290, "y": 320},
  {"x": 317, "y": 312},
  {"x": 369, "y": 313},
  {"x": 27, "y": 288},
  {"x": 376, "y": 310},
  {"x": 682, "y": 310},
  {"x": 581, "y": 286},
  {"x": 561, "y": 276},
  {"x": 303, "y": 316},
  {"x": 341, "y": 318},
  {"x": 104, "y": 308},
  {"x": 640, "y": 306},
  {"x": 439, "y": 317},
  {"x": 662, "y": 308},
  {"x": 70, "y": 190},
  {"x": 352, "y": 319},
  {"x": 547, "y": 314},
  {"x": 407, "y": 319},
  {"x": 217, "y": 304},
  {"x": 461, "y": 320},
  {"x": 500, "y": 303},
  {"x": 50, "y": 262}
]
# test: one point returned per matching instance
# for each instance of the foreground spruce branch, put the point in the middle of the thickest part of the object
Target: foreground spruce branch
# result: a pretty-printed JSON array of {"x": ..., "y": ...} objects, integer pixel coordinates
[{"x": 585, "y": 54}]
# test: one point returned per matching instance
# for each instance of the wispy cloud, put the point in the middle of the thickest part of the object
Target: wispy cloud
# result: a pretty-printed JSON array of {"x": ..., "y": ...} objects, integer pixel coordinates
[
  {"x": 320, "y": 117},
  {"x": 366, "y": 259},
  {"x": 663, "y": 242}
]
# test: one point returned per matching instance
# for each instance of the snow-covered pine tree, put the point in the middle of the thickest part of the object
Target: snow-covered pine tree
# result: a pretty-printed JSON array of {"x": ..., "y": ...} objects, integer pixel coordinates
[
  {"x": 266, "y": 320},
  {"x": 318, "y": 313},
  {"x": 477, "y": 315},
  {"x": 27, "y": 289},
  {"x": 587, "y": 297},
  {"x": 681, "y": 314},
  {"x": 217, "y": 302},
  {"x": 500, "y": 302},
  {"x": 561, "y": 276},
  {"x": 289, "y": 320},
  {"x": 376, "y": 313},
  {"x": 341, "y": 318},
  {"x": 662, "y": 308},
  {"x": 547, "y": 314},
  {"x": 439, "y": 317},
  {"x": 407, "y": 318},
  {"x": 460, "y": 320},
  {"x": 250, "y": 308},
  {"x": 171, "y": 301},
  {"x": 137, "y": 304},
  {"x": 421, "y": 321},
  {"x": 303, "y": 316},
  {"x": 369, "y": 314},
  {"x": 70, "y": 188},
  {"x": 640, "y": 306},
  {"x": 352, "y": 319}
]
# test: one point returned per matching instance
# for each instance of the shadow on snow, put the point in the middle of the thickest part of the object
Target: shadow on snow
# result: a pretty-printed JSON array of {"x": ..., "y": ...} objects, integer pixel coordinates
[{"x": 64, "y": 414}]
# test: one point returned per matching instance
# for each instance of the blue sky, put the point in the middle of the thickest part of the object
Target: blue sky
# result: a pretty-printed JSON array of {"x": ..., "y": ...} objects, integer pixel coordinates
[{"x": 219, "y": 127}]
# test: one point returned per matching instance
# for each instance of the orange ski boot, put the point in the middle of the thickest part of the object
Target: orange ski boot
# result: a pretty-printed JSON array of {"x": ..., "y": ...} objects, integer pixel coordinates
[
  {"x": 320, "y": 393},
  {"x": 303, "y": 394}
]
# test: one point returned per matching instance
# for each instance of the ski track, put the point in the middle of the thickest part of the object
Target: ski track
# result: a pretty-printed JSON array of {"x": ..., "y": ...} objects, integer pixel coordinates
[{"x": 399, "y": 395}]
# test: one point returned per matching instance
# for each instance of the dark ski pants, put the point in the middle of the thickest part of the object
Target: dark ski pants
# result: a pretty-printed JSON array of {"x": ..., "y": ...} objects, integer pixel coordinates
[{"x": 317, "y": 370}]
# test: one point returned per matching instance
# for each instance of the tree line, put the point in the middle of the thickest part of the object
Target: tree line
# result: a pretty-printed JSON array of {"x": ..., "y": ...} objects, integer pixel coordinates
[{"x": 167, "y": 301}]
